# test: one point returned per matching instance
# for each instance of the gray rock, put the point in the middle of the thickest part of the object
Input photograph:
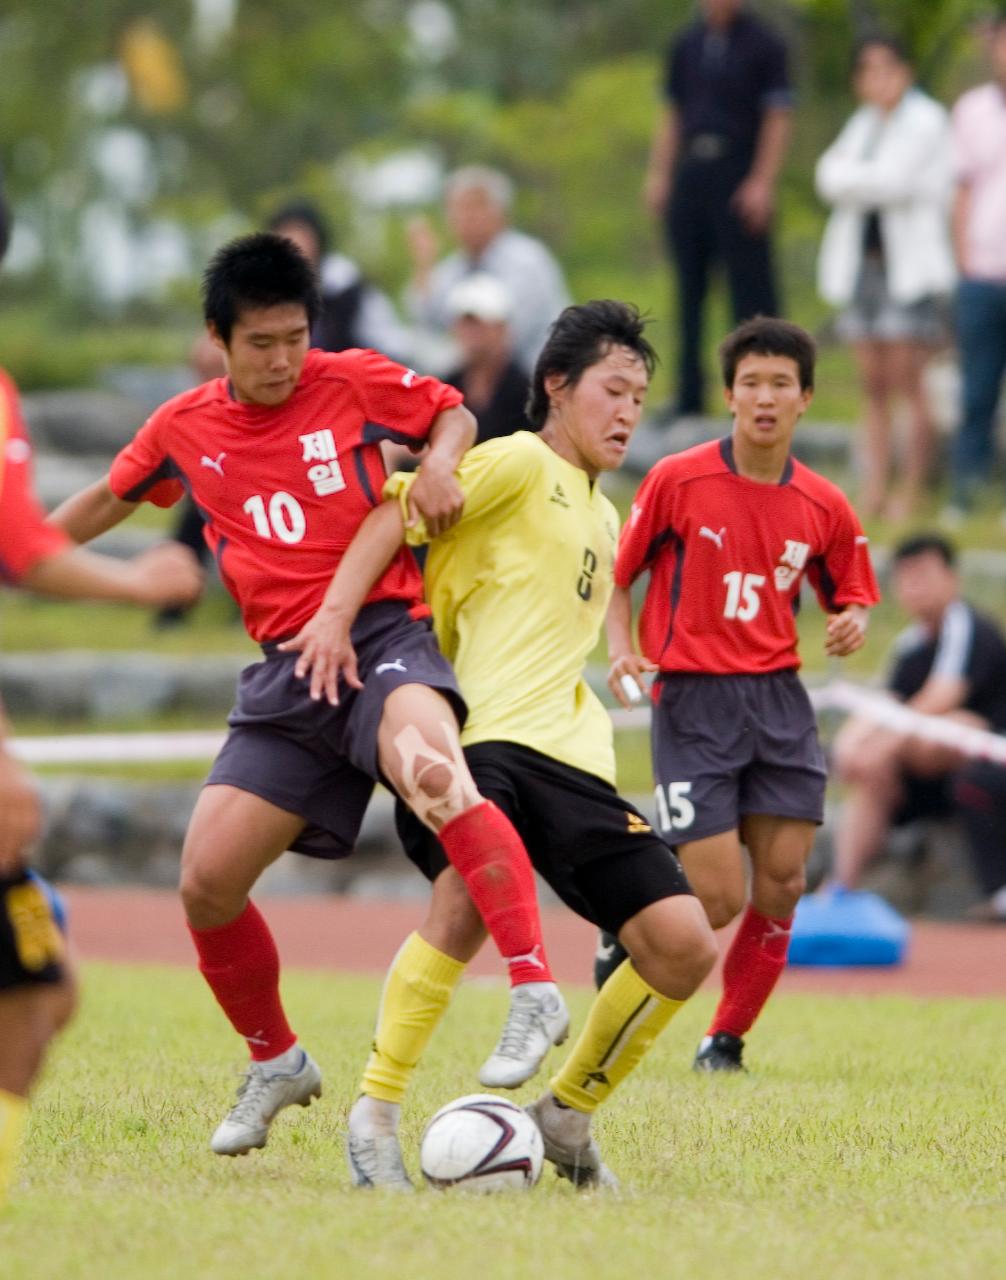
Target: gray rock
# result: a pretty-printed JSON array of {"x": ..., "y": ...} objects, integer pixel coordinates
[
  {"x": 79, "y": 684},
  {"x": 82, "y": 421}
]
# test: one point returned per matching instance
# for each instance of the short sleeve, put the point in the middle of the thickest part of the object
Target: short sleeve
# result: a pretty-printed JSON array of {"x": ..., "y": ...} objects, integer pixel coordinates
[
  {"x": 25, "y": 535},
  {"x": 964, "y": 136},
  {"x": 144, "y": 471},
  {"x": 398, "y": 403},
  {"x": 491, "y": 475},
  {"x": 776, "y": 88},
  {"x": 843, "y": 573},
  {"x": 648, "y": 528}
]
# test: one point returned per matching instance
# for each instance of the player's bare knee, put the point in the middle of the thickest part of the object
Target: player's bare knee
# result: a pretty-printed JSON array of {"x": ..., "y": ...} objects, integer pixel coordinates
[
  {"x": 722, "y": 907},
  {"x": 209, "y": 899}
]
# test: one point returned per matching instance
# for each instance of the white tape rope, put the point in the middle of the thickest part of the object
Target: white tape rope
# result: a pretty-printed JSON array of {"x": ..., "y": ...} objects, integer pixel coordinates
[
  {"x": 878, "y": 706},
  {"x": 838, "y": 695}
]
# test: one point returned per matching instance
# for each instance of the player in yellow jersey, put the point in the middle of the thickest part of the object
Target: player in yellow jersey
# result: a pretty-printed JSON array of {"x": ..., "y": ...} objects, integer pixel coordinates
[{"x": 519, "y": 589}]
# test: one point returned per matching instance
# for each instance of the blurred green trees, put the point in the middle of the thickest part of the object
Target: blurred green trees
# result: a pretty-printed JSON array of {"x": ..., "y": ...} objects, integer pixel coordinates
[{"x": 229, "y": 105}]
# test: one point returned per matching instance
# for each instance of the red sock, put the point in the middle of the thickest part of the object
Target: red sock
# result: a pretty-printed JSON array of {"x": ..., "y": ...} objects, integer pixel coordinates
[
  {"x": 752, "y": 967},
  {"x": 482, "y": 844},
  {"x": 241, "y": 964}
]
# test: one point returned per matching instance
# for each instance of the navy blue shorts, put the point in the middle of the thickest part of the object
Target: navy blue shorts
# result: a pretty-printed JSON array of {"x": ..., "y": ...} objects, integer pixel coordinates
[
  {"x": 595, "y": 849},
  {"x": 320, "y": 761},
  {"x": 31, "y": 932},
  {"x": 725, "y": 746}
]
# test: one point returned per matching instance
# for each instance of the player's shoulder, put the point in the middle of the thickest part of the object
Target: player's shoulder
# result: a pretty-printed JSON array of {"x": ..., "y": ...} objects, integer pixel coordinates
[
  {"x": 699, "y": 460},
  {"x": 818, "y": 488},
  {"x": 194, "y": 400},
  {"x": 522, "y": 454}
]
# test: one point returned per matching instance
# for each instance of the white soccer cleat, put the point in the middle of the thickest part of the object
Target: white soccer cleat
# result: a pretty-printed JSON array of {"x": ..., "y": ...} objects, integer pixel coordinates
[
  {"x": 377, "y": 1162},
  {"x": 372, "y": 1149},
  {"x": 537, "y": 1020},
  {"x": 569, "y": 1146},
  {"x": 260, "y": 1096}
]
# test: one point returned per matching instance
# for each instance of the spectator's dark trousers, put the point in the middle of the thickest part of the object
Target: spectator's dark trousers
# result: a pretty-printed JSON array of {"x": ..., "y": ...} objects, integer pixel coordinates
[
  {"x": 703, "y": 229},
  {"x": 981, "y": 338}
]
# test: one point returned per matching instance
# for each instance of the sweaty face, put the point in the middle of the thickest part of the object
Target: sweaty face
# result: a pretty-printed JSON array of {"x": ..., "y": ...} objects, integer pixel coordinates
[
  {"x": 266, "y": 352},
  {"x": 600, "y": 413},
  {"x": 766, "y": 399}
]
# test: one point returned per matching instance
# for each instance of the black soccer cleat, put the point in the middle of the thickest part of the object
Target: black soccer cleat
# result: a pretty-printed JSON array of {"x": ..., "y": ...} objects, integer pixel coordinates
[
  {"x": 609, "y": 955},
  {"x": 720, "y": 1052}
]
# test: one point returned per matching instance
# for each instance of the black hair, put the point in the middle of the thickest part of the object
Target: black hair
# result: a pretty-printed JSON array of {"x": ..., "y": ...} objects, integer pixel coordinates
[
  {"x": 880, "y": 40},
  {"x": 920, "y": 544},
  {"x": 309, "y": 215},
  {"x": 580, "y": 337},
  {"x": 260, "y": 270},
  {"x": 766, "y": 336}
]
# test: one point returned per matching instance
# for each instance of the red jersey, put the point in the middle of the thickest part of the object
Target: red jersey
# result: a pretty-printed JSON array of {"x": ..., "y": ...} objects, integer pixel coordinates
[
  {"x": 284, "y": 488},
  {"x": 727, "y": 555},
  {"x": 25, "y": 537}
]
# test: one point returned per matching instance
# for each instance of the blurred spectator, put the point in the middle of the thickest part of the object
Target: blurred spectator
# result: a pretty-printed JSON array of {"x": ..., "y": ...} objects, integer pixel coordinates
[
  {"x": 494, "y": 385},
  {"x": 952, "y": 663},
  {"x": 979, "y": 126},
  {"x": 980, "y": 796},
  {"x": 354, "y": 313},
  {"x": 886, "y": 259},
  {"x": 477, "y": 206},
  {"x": 716, "y": 155}
]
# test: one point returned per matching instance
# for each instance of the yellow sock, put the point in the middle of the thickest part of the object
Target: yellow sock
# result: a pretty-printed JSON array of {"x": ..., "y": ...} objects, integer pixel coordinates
[
  {"x": 416, "y": 993},
  {"x": 626, "y": 1017},
  {"x": 13, "y": 1112}
]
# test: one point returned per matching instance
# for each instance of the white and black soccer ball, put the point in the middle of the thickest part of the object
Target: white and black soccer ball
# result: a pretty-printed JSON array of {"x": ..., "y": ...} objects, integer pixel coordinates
[{"x": 481, "y": 1143}]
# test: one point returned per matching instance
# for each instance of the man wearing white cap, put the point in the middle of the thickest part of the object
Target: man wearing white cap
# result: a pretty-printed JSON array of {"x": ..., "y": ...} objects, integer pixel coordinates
[{"x": 494, "y": 385}]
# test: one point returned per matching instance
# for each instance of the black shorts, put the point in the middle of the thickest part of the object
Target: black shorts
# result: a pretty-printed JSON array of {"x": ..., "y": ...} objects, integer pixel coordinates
[
  {"x": 31, "y": 938},
  {"x": 725, "y": 746},
  {"x": 320, "y": 761},
  {"x": 596, "y": 850}
]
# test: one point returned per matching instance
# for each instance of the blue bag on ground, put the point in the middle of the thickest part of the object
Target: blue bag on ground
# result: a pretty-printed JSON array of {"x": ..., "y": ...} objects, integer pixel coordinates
[{"x": 847, "y": 928}]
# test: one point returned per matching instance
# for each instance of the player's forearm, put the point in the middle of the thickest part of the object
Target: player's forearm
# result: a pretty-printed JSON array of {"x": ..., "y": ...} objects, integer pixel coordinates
[
  {"x": 451, "y": 436},
  {"x": 773, "y": 142},
  {"x": 76, "y": 574},
  {"x": 619, "y": 624},
  {"x": 91, "y": 512},
  {"x": 373, "y": 548}
]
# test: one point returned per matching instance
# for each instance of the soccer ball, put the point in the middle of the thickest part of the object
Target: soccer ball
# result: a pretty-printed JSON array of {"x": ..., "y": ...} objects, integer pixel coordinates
[{"x": 481, "y": 1143}]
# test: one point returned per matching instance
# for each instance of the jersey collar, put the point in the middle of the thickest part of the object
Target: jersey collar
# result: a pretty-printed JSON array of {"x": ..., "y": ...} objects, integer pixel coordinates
[{"x": 727, "y": 454}]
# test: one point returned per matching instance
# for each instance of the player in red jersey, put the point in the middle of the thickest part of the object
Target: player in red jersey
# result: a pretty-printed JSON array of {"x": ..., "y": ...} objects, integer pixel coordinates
[
  {"x": 727, "y": 532},
  {"x": 282, "y": 457},
  {"x": 36, "y": 986}
]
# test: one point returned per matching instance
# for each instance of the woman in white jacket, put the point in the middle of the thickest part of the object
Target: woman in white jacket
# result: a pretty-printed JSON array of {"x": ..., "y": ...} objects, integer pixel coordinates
[{"x": 886, "y": 259}]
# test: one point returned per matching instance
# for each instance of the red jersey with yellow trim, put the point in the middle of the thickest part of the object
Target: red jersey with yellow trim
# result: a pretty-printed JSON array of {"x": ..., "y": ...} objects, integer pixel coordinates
[
  {"x": 284, "y": 488},
  {"x": 727, "y": 555},
  {"x": 25, "y": 537}
]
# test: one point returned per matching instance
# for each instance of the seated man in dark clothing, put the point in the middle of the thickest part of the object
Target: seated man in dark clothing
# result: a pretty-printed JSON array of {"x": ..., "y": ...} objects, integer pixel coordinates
[
  {"x": 950, "y": 663},
  {"x": 494, "y": 385}
]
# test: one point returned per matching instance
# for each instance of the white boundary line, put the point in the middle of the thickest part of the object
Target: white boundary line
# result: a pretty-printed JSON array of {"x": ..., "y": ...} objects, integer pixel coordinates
[{"x": 839, "y": 695}]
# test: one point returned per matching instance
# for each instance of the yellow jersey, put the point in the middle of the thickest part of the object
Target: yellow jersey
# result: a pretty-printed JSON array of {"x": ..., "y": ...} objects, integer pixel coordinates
[{"x": 519, "y": 588}]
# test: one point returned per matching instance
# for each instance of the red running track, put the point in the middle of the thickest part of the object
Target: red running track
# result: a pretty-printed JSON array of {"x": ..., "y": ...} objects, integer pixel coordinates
[{"x": 146, "y": 926}]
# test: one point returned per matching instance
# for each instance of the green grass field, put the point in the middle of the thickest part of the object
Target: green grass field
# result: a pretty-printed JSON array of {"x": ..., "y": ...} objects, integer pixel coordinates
[{"x": 868, "y": 1141}]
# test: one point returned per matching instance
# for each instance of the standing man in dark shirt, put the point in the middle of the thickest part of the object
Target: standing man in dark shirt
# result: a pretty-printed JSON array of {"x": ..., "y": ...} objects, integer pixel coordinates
[
  {"x": 951, "y": 662},
  {"x": 716, "y": 156}
]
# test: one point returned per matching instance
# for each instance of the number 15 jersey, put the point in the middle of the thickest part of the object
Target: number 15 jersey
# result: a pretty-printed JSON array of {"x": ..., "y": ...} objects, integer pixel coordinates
[{"x": 727, "y": 556}]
